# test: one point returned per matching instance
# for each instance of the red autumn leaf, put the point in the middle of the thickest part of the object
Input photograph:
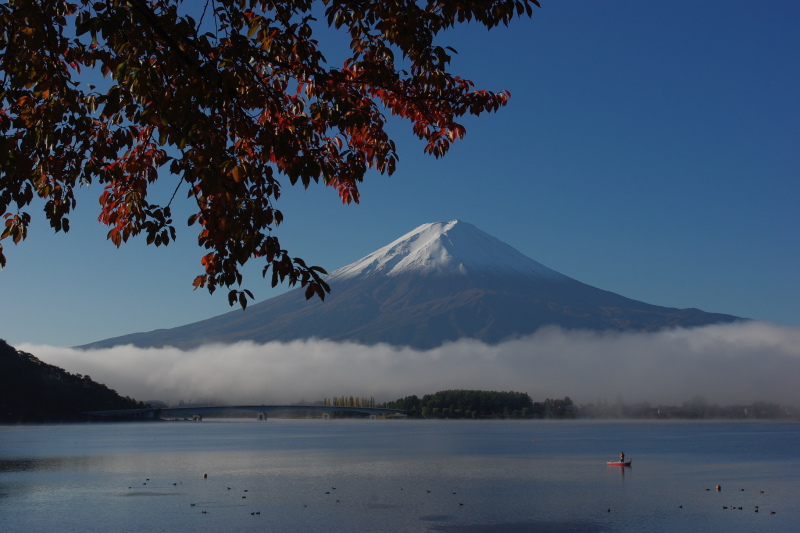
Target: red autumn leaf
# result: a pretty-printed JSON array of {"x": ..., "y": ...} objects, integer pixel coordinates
[{"x": 227, "y": 98}]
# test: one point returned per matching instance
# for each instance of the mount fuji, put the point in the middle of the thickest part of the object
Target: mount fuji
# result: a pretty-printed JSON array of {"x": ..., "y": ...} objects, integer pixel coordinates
[{"x": 440, "y": 282}]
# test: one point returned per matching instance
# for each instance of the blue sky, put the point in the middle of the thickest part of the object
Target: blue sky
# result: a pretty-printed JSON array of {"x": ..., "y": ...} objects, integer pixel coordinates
[{"x": 649, "y": 148}]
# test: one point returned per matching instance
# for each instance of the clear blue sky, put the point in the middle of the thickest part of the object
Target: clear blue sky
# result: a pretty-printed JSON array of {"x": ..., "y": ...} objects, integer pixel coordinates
[{"x": 649, "y": 148}]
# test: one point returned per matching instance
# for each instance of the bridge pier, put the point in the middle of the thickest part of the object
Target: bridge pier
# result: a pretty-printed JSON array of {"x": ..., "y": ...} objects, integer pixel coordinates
[{"x": 262, "y": 415}]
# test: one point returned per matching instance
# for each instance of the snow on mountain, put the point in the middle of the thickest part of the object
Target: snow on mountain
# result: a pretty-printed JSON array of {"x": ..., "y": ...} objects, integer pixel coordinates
[
  {"x": 442, "y": 248},
  {"x": 438, "y": 283}
]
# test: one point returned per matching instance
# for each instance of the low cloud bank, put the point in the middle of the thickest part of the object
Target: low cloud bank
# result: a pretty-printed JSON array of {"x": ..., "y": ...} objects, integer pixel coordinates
[{"x": 726, "y": 364}]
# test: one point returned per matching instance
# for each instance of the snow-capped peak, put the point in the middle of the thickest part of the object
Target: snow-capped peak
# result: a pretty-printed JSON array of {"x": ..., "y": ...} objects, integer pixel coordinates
[{"x": 453, "y": 247}]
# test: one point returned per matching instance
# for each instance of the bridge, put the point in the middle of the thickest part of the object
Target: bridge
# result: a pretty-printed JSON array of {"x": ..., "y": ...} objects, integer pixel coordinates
[{"x": 196, "y": 413}]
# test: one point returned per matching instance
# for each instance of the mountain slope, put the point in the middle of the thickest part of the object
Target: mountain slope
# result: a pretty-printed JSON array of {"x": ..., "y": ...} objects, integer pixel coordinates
[{"x": 438, "y": 283}]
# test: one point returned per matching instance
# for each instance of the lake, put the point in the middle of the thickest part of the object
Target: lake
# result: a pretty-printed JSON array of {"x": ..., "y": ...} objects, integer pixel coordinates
[{"x": 400, "y": 475}]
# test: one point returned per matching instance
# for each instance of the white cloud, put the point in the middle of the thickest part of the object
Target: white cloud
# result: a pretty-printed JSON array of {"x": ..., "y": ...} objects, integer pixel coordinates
[{"x": 735, "y": 363}]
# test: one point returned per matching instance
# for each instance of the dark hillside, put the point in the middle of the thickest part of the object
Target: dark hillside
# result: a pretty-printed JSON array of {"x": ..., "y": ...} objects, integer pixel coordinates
[{"x": 34, "y": 391}]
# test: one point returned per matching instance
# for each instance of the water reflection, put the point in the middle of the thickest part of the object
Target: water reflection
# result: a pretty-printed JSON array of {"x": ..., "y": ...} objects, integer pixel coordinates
[
  {"x": 525, "y": 527},
  {"x": 409, "y": 476},
  {"x": 49, "y": 464}
]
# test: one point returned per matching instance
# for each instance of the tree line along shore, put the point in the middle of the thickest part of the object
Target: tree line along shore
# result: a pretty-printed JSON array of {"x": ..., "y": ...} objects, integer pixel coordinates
[
  {"x": 34, "y": 391},
  {"x": 491, "y": 404}
]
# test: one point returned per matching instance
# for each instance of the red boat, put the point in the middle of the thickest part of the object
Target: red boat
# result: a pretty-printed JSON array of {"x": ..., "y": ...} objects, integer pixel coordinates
[{"x": 618, "y": 463}]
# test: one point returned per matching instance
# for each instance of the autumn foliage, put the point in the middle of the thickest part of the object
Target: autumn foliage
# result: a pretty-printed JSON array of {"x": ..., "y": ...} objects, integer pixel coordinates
[{"x": 225, "y": 99}]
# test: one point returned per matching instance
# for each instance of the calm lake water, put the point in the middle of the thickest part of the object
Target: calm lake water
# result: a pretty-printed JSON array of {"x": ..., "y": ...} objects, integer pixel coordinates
[{"x": 400, "y": 475}]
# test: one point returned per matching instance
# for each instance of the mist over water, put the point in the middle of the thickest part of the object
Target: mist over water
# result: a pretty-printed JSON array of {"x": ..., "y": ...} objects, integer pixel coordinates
[{"x": 725, "y": 364}]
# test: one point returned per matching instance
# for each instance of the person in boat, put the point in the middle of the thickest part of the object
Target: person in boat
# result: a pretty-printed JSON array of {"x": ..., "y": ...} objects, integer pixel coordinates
[{"x": 621, "y": 457}]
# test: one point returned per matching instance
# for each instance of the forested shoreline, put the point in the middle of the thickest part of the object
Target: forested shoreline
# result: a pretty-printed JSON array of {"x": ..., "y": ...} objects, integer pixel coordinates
[
  {"x": 476, "y": 404},
  {"x": 34, "y": 391},
  {"x": 482, "y": 404}
]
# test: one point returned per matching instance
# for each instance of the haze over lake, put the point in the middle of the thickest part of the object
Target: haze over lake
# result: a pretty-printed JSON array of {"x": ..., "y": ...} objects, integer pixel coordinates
[{"x": 726, "y": 364}]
